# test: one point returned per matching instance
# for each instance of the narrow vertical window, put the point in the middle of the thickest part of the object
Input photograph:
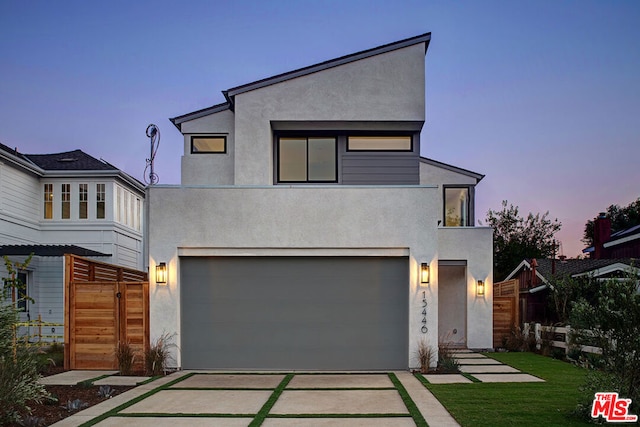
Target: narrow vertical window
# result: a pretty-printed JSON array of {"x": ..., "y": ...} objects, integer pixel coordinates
[
  {"x": 83, "y": 201},
  {"x": 48, "y": 201},
  {"x": 138, "y": 214},
  {"x": 100, "y": 199},
  {"x": 66, "y": 201},
  {"x": 119, "y": 204},
  {"x": 456, "y": 207}
]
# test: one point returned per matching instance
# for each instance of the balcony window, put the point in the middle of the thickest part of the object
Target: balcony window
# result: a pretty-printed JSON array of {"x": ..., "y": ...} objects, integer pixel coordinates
[
  {"x": 305, "y": 159},
  {"x": 83, "y": 201},
  {"x": 66, "y": 201},
  {"x": 456, "y": 207},
  {"x": 48, "y": 201},
  {"x": 100, "y": 201}
]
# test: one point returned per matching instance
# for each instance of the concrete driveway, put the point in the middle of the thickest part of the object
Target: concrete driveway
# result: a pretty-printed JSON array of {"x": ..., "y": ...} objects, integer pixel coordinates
[{"x": 189, "y": 398}]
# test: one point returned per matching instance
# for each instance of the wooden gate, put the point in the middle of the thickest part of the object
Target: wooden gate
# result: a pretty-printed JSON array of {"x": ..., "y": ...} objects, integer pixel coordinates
[
  {"x": 505, "y": 309},
  {"x": 103, "y": 308}
]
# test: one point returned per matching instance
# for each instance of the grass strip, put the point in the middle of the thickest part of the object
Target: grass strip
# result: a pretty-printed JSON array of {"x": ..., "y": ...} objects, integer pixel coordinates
[
  {"x": 132, "y": 402},
  {"x": 340, "y": 415},
  {"x": 180, "y": 415},
  {"x": 264, "y": 411},
  {"x": 221, "y": 388},
  {"x": 148, "y": 380},
  {"x": 90, "y": 381},
  {"x": 408, "y": 402},
  {"x": 339, "y": 388},
  {"x": 470, "y": 377}
]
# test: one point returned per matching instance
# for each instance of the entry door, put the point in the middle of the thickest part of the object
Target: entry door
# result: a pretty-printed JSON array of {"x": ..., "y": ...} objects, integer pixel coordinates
[{"x": 452, "y": 304}]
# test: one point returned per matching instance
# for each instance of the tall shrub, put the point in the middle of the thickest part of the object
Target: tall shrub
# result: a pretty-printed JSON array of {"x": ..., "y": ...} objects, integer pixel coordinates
[
  {"x": 615, "y": 324},
  {"x": 18, "y": 364}
]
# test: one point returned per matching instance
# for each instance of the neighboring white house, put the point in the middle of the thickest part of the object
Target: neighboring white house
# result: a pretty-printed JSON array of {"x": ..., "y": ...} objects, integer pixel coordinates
[
  {"x": 305, "y": 218},
  {"x": 52, "y": 204}
]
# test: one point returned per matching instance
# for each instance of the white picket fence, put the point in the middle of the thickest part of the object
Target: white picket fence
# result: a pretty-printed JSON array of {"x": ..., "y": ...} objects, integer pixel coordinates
[{"x": 562, "y": 332}]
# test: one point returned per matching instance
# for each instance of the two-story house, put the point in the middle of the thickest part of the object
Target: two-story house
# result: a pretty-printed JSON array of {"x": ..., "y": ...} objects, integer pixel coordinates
[
  {"x": 53, "y": 204},
  {"x": 309, "y": 233}
]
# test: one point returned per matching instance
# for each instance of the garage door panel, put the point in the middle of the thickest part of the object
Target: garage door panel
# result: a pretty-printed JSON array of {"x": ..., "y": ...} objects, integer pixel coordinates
[{"x": 294, "y": 313}]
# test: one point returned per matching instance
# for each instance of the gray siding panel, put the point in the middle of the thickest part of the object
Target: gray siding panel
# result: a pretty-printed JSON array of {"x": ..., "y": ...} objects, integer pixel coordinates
[
  {"x": 294, "y": 313},
  {"x": 380, "y": 168}
]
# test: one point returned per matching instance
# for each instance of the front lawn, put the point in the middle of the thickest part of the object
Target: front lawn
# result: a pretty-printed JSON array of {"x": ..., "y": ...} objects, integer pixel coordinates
[{"x": 521, "y": 404}]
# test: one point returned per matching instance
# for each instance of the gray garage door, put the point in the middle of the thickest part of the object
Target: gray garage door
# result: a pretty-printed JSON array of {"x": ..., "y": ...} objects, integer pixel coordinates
[{"x": 342, "y": 313}]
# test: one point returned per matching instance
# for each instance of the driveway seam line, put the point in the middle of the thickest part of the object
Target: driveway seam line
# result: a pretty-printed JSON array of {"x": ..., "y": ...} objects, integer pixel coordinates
[
  {"x": 266, "y": 408},
  {"x": 415, "y": 413}
]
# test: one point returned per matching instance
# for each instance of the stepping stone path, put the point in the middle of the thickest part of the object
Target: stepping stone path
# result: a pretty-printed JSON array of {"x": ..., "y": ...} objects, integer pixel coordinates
[{"x": 483, "y": 369}]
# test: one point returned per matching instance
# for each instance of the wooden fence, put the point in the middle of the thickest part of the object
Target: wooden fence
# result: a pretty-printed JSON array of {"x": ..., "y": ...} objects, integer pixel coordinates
[
  {"x": 105, "y": 306},
  {"x": 560, "y": 337},
  {"x": 505, "y": 310}
]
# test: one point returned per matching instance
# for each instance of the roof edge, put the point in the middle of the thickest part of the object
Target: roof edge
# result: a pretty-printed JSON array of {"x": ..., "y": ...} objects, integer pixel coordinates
[{"x": 177, "y": 121}]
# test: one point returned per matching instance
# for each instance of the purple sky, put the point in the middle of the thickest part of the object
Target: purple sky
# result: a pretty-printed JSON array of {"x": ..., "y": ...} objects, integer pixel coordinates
[{"x": 542, "y": 97}]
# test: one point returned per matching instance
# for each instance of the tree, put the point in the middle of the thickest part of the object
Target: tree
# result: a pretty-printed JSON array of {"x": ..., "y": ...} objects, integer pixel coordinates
[
  {"x": 621, "y": 218},
  {"x": 516, "y": 238}
]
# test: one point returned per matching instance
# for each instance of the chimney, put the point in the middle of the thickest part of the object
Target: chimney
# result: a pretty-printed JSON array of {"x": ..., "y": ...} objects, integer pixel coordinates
[{"x": 601, "y": 234}]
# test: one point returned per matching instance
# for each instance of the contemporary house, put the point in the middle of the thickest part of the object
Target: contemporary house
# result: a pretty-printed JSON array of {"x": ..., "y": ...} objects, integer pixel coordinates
[
  {"x": 309, "y": 233},
  {"x": 54, "y": 204},
  {"x": 619, "y": 244},
  {"x": 535, "y": 277}
]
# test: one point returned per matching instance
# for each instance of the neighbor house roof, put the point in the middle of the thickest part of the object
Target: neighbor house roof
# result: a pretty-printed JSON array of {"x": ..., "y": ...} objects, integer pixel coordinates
[
  {"x": 47, "y": 250},
  {"x": 573, "y": 267},
  {"x": 229, "y": 94},
  {"x": 69, "y": 160}
]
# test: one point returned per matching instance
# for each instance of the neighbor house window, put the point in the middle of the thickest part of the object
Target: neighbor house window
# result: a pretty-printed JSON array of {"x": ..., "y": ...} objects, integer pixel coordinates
[
  {"x": 456, "y": 206},
  {"x": 17, "y": 288},
  {"x": 304, "y": 159},
  {"x": 379, "y": 143},
  {"x": 83, "y": 200},
  {"x": 66, "y": 201},
  {"x": 208, "y": 144},
  {"x": 100, "y": 200},
  {"x": 48, "y": 201}
]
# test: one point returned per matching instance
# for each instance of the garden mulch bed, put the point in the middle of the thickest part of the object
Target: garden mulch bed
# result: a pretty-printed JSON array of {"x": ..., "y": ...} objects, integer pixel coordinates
[{"x": 50, "y": 412}]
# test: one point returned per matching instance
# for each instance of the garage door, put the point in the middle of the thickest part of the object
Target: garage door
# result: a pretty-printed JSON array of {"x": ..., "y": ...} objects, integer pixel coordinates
[{"x": 330, "y": 313}]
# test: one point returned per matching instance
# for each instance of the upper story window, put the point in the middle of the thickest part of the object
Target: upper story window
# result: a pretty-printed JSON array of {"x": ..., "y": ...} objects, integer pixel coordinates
[
  {"x": 307, "y": 159},
  {"x": 48, "y": 201},
  {"x": 379, "y": 143},
  {"x": 208, "y": 144},
  {"x": 456, "y": 207},
  {"x": 83, "y": 201},
  {"x": 66, "y": 201},
  {"x": 100, "y": 201},
  {"x": 128, "y": 208}
]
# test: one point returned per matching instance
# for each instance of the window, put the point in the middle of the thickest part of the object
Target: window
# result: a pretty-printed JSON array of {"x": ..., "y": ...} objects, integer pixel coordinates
[
  {"x": 48, "y": 201},
  {"x": 66, "y": 201},
  {"x": 456, "y": 207},
  {"x": 208, "y": 144},
  {"x": 17, "y": 288},
  {"x": 83, "y": 200},
  {"x": 307, "y": 159},
  {"x": 379, "y": 143},
  {"x": 100, "y": 200}
]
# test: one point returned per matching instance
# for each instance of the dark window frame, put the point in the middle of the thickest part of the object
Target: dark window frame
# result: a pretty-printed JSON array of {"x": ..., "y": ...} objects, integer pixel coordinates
[
  {"x": 223, "y": 137},
  {"x": 306, "y": 136}
]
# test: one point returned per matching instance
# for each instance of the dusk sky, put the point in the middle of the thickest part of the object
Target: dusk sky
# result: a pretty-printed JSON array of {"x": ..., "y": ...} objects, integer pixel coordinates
[{"x": 543, "y": 97}]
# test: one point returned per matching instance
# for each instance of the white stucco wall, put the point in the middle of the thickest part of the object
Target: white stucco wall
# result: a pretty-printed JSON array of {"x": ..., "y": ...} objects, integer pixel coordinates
[
  {"x": 295, "y": 221},
  {"x": 385, "y": 87},
  {"x": 475, "y": 245},
  {"x": 431, "y": 174},
  {"x": 213, "y": 168}
]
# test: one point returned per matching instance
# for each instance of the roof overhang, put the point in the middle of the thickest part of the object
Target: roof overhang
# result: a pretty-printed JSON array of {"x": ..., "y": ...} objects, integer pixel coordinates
[
  {"x": 478, "y": 177},
  {"x": 607, "y": 269},
  {"x": 527, "y": 265},
  {"x": 622, "y": 240},
  {"x": 48, "y": 250}
]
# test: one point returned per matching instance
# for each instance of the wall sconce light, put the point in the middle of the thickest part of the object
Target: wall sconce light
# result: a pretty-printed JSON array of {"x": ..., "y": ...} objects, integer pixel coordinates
[
  {"x": 424, "y": 272},
  {"x": 480, "y": 288},
  {"x": 161, "y": 273}
]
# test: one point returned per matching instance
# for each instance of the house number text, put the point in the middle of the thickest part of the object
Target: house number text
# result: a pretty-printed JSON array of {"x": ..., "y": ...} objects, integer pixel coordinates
[{"x": 424, "y": 328}]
